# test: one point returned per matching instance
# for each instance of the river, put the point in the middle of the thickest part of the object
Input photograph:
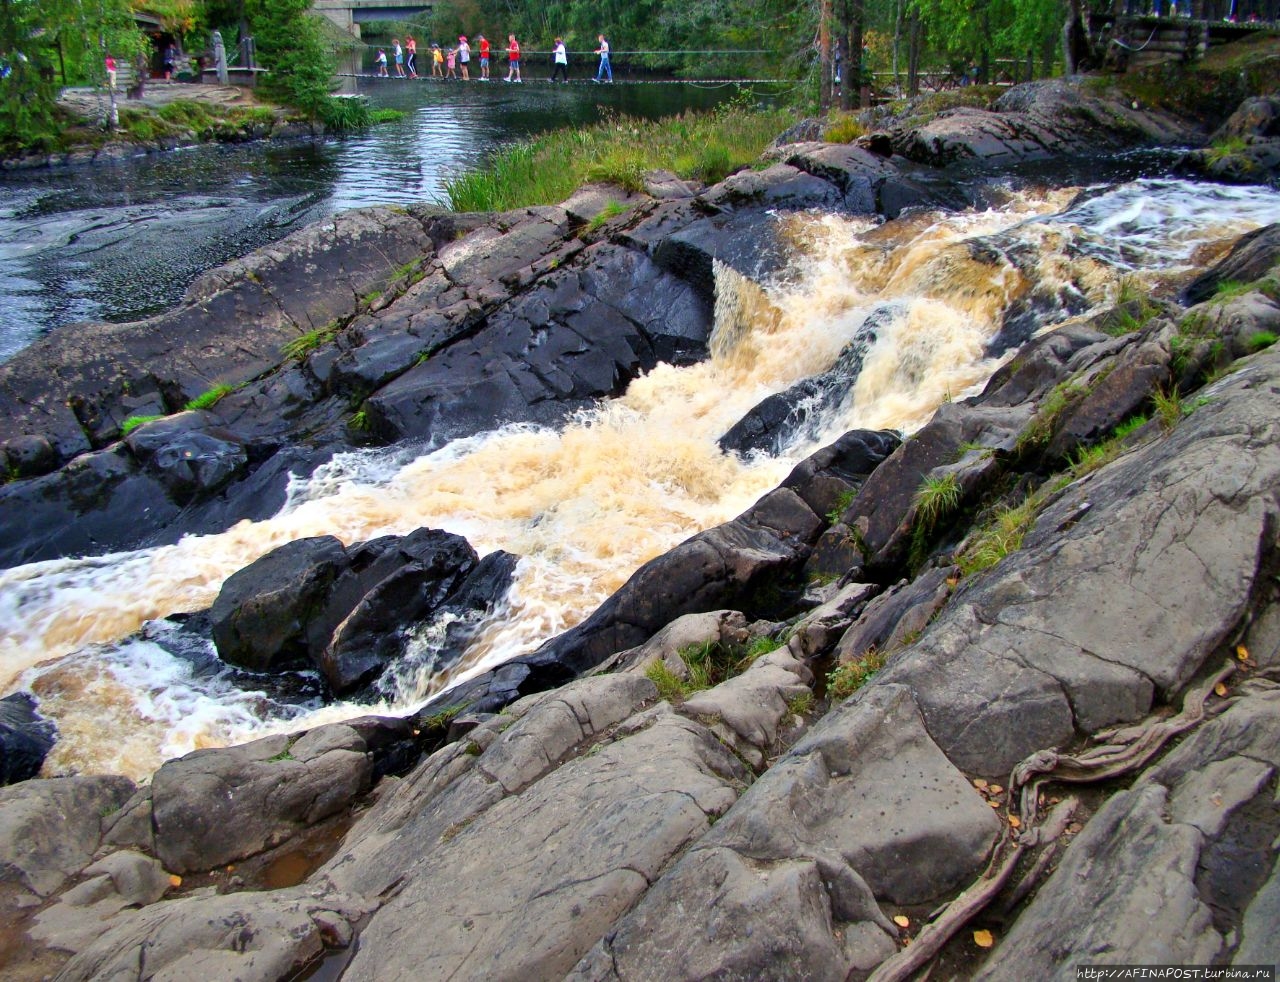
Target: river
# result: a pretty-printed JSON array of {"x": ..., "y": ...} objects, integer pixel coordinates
[
  {"x": 122, "y": 241},
  {"x": 586, "y": 505}
]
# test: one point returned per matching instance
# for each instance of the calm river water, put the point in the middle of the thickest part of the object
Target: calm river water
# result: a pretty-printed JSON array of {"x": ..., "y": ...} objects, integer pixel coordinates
[{"x": 123, "y": 241}]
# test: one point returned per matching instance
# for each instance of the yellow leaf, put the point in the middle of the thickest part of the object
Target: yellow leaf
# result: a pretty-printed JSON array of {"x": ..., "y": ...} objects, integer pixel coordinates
[
  {"x": 1242, "y": 652},
  {"x": 175, "y": 880},
  {"x": 980, "y": 784},
  {"x": 983, "y": 939},
  {"x": 953, "y": 581},
  {"x": 1015, "y": 821},
  {"x": 902, "y": 920},
  {"x": 995, "y": 789},
  {"x": 1220, "y": 689},
  {"x": 994, "y": 804}
]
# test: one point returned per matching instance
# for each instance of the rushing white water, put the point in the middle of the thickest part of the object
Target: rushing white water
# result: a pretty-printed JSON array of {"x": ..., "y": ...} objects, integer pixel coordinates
[{"x": 586, "y": 505}]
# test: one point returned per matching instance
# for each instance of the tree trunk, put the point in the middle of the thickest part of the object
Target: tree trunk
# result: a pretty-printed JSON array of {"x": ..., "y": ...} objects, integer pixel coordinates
[
  {"x": 914, "y": 43},
  {"x": 824, "y": 56}
]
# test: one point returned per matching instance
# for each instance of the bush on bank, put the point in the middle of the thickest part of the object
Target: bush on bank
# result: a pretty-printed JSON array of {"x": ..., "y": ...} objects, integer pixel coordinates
[{"x": 697, "y": 146}]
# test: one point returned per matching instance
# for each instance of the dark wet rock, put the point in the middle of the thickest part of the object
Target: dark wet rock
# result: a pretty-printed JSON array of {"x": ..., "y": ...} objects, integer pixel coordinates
[
  {"x": 262, "y": 613},
  {"x": 834, "y": 473},
  {"x": 879, "y": 522},
  {"x": 1040, "y": 365},
  {"x": 871, "y": 184},
  {"x": 228, "y": 330},
  {"x": 1245, "y": 149},
  {"x": 793, "y": 414},
  {"x": 896, "y": 617},
  {"x": 191, "y": 459},
  {"x": 26, "y": 738},
  {"x": 747, "y": 242},
  {"x": 584, "y": 332},
  {"x": 28, "y": 456},
  {"x": 385, "y": 587},
  {"x": 85, "y": 508},
  {"x": 1131, "y": 377},
  {"x": 346, "y": 611},
  {"x": 1253, "y": 256},
  {"x": 1036, "y": 121}
]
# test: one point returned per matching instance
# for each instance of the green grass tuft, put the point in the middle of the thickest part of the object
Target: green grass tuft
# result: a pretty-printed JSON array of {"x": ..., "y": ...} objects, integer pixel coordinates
[
  {"x": 1001, "y": 536},
  {"x": 1261, "y": 340},
  {"x": 304, "y": 344},
  {"x": 133, "y": 422},
  {"x": 209, "y": 398},
  {"x": 1168, "y": 406},
  {"x": 844, "y": 680},
  {"x": 612, "y": 210}
]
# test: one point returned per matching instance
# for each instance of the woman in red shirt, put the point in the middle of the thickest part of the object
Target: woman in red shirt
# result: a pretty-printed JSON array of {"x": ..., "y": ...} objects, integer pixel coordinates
[{"x": 513, "y": 58}]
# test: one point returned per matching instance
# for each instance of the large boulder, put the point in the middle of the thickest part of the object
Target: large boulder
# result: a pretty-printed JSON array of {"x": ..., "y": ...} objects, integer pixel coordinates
[
  {"x": 346, "y": 611},
  {"x": 213, "y": 807}
]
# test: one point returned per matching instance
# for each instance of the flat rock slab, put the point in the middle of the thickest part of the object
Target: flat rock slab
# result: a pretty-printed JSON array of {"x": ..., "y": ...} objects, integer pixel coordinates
[
  {"x": 527, "y": 886},
  {"x": 864, "y": 808},
  {"x": 1119, "y": 593}
]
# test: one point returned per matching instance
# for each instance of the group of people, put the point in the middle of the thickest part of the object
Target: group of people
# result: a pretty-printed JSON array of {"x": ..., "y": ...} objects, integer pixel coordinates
[{"x": 447, "y": 63}]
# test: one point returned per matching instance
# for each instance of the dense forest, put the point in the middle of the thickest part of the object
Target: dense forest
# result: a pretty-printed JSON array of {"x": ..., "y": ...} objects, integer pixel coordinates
[{"x": 45, "y": 44}]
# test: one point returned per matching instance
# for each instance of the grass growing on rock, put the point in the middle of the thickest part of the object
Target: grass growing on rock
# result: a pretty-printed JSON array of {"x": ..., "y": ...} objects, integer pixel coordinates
[
  {"x": 1261, "y": 340},
  {"x": 844, "y": 680},
  {"x": 612, "y": 210},
  {"x": 708, "y": 663},
  {"x": 209, "y": 398},
  {"x": 133, "y": 422},
  {"x": 1000, "y": 536},
  {"x": 936, "y": 498},
  {"x": 304, "y": 344},
  {"x": 620, "y": 149}
]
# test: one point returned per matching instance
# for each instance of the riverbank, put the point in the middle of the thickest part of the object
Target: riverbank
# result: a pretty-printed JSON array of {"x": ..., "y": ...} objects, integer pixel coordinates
[{"x": 168, "y": 116}]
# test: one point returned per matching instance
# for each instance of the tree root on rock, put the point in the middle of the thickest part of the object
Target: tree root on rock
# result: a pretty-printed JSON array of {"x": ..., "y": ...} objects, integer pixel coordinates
[{"x": 1126, "y": 750}]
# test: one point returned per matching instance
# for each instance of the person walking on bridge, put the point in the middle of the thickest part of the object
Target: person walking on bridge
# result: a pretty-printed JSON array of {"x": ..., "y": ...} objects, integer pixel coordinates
[
  {"x": 604, "y": 72},
  {"x": 411, "y": 61},
  {"x": 513, "y": 58},
  {"x": 561, "y": 59},
  {"x": 464, "y": 57},
  {"x": 484, "y": 58}
]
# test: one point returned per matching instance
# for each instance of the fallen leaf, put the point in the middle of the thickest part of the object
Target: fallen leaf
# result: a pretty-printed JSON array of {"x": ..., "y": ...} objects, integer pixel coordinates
[
  {"x": 1220, "y": 689},
  {"x": 175, "y": 880},
  {"x": 983, "y": 939},
  {"x": 1242, "y": 652},
  {"x": 980, "y": 784},
  {"x": 994, "y": 804},
  {"x": 1015, "y": 821},
  {"x": 902, "y": 920},
  {"x": 995, "y": 789},
  {"x": 953, "y": 581},
  {"x": 1074, "y": 827}
]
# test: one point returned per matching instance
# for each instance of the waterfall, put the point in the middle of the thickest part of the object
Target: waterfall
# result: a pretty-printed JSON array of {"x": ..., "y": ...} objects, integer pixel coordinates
[{"x": 894, "y": 318}]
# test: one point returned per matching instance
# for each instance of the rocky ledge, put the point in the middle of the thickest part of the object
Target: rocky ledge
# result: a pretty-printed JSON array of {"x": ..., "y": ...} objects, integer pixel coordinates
[{"x": 1027, "y": 724}]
